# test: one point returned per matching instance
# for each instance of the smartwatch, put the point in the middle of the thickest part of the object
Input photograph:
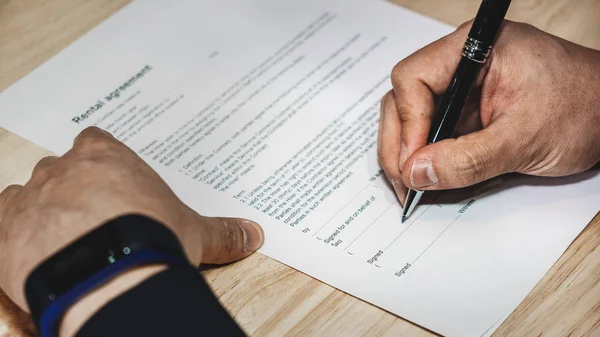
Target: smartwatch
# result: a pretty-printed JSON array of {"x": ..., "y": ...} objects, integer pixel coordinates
[{"x": 118, "y": 245}]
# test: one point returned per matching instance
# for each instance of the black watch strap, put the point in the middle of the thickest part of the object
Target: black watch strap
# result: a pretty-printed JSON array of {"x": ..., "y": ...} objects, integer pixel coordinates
[{"x": 116, "y": 246}]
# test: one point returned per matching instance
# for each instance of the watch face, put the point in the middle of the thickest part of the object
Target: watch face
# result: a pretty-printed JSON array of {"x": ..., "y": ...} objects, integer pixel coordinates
[{"x": 84, "y": 258}]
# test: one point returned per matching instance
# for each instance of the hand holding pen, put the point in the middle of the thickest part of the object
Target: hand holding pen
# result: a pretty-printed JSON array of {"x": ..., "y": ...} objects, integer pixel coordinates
[{"x": 534, "y": 109}]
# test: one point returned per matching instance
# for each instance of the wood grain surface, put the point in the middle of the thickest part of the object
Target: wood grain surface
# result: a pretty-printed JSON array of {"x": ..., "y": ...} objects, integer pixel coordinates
[{"x": 266, "y": 297}]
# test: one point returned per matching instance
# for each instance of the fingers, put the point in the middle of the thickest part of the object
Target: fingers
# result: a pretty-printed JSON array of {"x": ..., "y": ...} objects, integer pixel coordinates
[
  {"x": 465, "y": 161},
  {"x": 226, "y": 240},
  {"x": 43, "y": 165},
  {"x": 93, "y": 138},
  {"x": 389, "y": 147},
  {"x": 7, "y": 194},
  {"x": 416, "y": 81}
]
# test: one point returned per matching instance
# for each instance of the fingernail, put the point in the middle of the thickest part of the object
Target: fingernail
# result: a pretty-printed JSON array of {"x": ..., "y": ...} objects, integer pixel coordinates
[
  {"x": 422, "y": 173},
  {"x": 253, "y": 235},
  {"x": 403, "y": 155}
]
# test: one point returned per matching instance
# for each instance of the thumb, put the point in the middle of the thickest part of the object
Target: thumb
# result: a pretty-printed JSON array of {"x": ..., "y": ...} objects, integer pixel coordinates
[
  {"x": 226, "y": 240},
  {"x": 462, "y": 162}
]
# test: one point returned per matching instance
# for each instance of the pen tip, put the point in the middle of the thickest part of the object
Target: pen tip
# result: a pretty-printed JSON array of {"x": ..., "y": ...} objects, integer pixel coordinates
[{"x": 403, "y": 219}]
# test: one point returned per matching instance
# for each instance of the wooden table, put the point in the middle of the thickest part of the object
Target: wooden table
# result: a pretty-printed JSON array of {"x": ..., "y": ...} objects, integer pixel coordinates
[{"x": 266, "y": 297}]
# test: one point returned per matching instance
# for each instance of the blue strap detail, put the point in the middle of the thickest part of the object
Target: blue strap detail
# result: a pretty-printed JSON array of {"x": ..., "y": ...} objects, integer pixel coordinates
[{"x": 54, "y": 312}]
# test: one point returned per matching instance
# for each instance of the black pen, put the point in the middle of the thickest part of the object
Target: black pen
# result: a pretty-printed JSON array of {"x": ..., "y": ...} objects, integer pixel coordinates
[{"x": 476, "y": 51}]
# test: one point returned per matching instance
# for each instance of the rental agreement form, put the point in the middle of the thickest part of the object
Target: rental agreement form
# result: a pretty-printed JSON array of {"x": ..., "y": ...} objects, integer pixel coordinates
[{"x": 268, "y": 109}]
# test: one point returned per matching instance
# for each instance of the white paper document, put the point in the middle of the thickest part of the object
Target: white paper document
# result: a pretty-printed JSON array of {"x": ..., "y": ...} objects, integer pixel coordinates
[{"x": 268, "y": 109}]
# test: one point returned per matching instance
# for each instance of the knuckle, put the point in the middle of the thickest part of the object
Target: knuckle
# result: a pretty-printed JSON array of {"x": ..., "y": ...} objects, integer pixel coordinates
[
  {"x": 399, "y": 73},
  {"x": 44, "y": 166},
  {"x": 11, "y": 189},
  {"x": 8, "y": 192},
  {"x": 94, "y": 138},
  {"x": 90, "y": 132},
  {"x": 92, "y": 143},
  {"x": 41, "y": 173},
  {"x": 410, "y": 118},
  {"x": 468, "y": 166}
]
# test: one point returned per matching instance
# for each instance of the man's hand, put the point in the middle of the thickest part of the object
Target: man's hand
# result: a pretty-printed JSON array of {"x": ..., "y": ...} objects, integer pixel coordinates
[
  {"x": 97, "y": 180},
  {"x": 535, "y": 110}
]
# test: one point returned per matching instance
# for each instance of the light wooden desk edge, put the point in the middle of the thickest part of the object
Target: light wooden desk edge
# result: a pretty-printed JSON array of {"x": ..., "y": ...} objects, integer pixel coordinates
[{"x": 268, "y": 298}]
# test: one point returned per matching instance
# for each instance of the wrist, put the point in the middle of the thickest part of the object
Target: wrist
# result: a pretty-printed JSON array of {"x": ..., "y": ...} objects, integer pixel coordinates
[
  {"x": 97, "y": 268},
  {"x": 80, "y": 312}
]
